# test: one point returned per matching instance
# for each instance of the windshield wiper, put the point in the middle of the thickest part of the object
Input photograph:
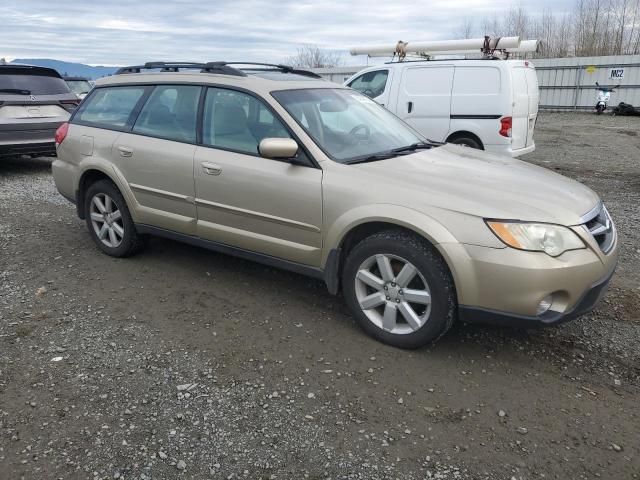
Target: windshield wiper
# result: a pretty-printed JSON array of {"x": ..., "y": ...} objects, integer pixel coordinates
[
  {"x": 17, "y": 91},
  {"x": 372, "y": 158},
  {"x": 413, "y": 147}
]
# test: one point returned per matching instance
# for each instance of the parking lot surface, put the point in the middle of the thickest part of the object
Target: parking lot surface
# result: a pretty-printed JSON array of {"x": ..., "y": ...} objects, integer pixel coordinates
[{"x": 182, "y": 363}]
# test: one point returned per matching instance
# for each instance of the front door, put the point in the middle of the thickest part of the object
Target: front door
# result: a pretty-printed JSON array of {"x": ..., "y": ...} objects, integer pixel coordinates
[{"x": 246, "y": 201}]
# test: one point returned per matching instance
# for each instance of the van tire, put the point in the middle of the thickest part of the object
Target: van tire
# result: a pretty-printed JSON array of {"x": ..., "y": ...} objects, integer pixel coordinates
[
  {"x": 467, "y": 141},
  {"x": 430, "y": 266}
]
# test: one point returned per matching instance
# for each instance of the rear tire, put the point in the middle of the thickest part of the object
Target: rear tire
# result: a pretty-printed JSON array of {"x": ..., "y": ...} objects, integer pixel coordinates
[
  {"x": 467, "y": 142},
  {"x": 109, "y": 221},
  {"x": 401, "y": 317}
]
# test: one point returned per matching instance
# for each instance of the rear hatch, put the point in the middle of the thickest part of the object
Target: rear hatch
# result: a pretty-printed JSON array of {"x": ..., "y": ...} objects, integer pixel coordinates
[
  {"x": 33, "y": 98},
  {"x": 525, "y": 104}
]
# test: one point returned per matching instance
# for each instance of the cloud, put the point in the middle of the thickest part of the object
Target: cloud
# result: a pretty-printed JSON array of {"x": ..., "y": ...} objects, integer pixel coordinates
[{"x": 119, "y": 32}]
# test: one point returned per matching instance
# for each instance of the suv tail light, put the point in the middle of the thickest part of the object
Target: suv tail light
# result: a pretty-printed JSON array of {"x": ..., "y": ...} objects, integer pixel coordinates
[
  {"x": 61, "y": 133},
  {"x": 505, "y": 126}
]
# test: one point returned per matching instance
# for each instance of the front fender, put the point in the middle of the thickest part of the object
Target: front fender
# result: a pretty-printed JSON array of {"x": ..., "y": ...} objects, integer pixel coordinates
[{"x": 408, "y": 218}]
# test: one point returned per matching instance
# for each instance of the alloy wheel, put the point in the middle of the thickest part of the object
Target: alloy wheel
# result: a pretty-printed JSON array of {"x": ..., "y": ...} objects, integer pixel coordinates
[
  {"x": 393, "y": 294},
  {"x": 106, "y": 220}
]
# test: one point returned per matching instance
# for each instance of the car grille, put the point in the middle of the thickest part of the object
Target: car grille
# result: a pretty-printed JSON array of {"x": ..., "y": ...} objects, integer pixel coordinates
[{"x": 599, "y": 224}]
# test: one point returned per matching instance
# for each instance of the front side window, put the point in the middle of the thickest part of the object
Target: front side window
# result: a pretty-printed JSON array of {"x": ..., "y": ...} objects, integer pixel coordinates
[
  {"x": 237, "y": 121},
  {"x": 110, "y": 106},
  {"x": 170, "y": 112},
  {"x": 372, "y": 84},
  {"x": 345, "y": 124}
]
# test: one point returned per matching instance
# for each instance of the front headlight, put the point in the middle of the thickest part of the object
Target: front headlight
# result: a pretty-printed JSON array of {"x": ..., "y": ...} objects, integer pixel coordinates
[{"x": 554, "y": 240}]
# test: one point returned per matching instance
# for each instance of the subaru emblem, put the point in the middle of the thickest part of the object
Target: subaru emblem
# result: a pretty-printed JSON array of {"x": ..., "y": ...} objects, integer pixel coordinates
[{"x": 32, "y": 97}]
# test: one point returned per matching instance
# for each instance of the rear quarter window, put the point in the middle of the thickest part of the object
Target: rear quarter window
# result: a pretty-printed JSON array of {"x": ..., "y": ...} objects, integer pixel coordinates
[{"x": 110, "y": 106}]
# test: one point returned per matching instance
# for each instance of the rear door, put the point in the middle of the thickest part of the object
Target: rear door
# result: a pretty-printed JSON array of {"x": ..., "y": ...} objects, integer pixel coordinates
[
  {"x": 156, "y": 158},
  {"x": 534, "y": 99},
  {"x": 525, "y": 105},
  {"x": 424, "y": 99}
]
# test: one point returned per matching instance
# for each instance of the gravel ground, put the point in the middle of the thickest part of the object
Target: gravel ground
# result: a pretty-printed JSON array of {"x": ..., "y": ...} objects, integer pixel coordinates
[{"x": 182, "y": 363}]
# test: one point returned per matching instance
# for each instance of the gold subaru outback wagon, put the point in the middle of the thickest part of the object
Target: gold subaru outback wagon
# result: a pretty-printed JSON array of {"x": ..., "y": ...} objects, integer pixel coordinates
[{"x": 274, "y": 164}]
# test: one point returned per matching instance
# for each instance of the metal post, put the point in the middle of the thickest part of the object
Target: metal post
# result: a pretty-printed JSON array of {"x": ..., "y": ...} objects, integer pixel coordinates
[{"x": 578, "y": 87}]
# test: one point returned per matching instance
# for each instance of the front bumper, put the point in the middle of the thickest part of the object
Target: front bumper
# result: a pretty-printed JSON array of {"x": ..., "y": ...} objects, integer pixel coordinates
[
  {"x": 589, "y": 300},
  {"x": 505, "y": 286}
]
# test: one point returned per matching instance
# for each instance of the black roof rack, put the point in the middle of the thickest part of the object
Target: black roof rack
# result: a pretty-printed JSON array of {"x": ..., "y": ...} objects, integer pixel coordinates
[
  {"x": 274, "y": 66},
  {"x": 223, "y": 68}
]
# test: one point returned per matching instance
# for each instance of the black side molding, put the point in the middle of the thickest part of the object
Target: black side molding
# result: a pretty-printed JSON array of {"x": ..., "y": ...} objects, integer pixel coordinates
[
  {"x": 475, "y": 117},
  {"x": 235, "y": 251}
]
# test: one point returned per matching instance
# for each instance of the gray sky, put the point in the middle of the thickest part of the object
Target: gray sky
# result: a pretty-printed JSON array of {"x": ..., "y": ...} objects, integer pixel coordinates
[{"x": 117, "y": 32}]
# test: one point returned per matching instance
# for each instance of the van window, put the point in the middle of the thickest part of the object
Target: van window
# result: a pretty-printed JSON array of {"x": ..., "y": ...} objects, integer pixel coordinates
[
  {"x": 372, "y": 84},
  {"x": 237, "y": 121},
  {"x": 170, "y": 112},
  {"x": 476, "y": 81},
  {"x": 110, "y": 106}
]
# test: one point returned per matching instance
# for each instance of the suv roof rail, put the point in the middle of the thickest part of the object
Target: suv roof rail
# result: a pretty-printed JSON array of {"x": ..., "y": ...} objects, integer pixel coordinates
[
  {"x": 273, "y": 66},
  {"x": 223, "y": 68}
]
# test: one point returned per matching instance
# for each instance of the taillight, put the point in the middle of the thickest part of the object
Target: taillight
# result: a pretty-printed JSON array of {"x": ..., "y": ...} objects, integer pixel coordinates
[
  {"x": 61, "y": 133},
  {"x": 505, "y": 126}
]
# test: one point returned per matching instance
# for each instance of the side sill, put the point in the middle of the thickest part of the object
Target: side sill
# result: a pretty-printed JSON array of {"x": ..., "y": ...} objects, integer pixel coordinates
[{"x": 234, "y": 251}]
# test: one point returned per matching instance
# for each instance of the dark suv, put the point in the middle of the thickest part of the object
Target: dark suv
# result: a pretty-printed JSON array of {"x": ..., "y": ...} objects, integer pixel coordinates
[{"x": 34, "y": 101}]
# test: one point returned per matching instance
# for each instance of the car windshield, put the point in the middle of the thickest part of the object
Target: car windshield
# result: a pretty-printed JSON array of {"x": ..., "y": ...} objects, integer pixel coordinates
[
  {"x": 79, "y": 86},
  {"x": 347, "y": 125}
]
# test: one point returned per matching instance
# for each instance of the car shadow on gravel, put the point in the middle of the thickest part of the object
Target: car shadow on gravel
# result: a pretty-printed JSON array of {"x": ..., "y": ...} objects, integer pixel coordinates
[{"x": 24, "y": 166}]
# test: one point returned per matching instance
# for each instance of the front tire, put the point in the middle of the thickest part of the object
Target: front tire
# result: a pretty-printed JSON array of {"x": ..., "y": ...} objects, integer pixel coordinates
[
  {"x": 109, "y": 220},
  {"x": 399, "y": 289}
]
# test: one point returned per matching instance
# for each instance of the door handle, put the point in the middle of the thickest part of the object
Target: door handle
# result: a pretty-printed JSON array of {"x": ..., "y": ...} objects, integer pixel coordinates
[
  {"x": 125, "y": 151},
  {"x": 211, "y": 168},
  {"x": 409, "y": 107}
]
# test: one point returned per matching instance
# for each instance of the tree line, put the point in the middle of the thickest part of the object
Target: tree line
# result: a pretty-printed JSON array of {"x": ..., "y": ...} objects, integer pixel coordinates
[{"x": 590, "y": 28}]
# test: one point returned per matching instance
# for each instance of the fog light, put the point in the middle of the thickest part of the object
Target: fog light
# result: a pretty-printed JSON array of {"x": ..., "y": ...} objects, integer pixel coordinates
[{"x": 544, "y": 305}]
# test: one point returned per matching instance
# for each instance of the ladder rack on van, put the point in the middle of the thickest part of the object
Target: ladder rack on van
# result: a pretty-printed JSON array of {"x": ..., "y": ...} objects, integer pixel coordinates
[
  {"x": 489, "y": 47},
  {"x": 223, "y": 68}
]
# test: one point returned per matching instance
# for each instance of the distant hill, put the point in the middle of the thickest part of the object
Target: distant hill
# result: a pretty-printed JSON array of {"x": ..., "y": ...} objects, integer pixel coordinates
[{"x": 69, "y": 68}]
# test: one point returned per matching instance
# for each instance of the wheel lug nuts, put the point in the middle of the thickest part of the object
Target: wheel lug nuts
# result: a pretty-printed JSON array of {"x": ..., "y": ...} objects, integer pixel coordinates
[
  {"x": 393, "y": 284},
  {"x": 397, "y": 300},
  {"x": 388, "y": 298},
  {"x": 400, "y": 292},
  {"x": 386, "y": 288}
]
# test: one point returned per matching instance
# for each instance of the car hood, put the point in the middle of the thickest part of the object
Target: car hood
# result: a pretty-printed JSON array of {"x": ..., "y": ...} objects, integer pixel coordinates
[{"x": 482, "y": 184}]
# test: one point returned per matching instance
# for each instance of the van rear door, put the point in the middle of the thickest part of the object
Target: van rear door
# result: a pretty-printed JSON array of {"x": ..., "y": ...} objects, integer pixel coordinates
[
  {"x": 534, "y": 99},
  {"x": 424, "y": 99},
  {"x": 525, "y": 105}
]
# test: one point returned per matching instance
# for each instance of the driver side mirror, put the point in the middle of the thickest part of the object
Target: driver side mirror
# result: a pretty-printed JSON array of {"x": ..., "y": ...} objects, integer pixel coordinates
[{"x": 278, "y": 148}]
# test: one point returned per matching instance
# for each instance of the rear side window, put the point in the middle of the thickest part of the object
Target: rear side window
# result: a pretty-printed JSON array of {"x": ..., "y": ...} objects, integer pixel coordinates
[
  {"x": 237, "y": 121},
  {"x": 372, "y": 84},
  {"x": 170, "y": 112},
  {"x": 30, "y": 84},
  {"x": 110, "y": 106}
]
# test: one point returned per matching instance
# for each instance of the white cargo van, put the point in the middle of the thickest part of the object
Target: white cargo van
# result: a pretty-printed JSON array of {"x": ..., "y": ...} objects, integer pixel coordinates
[{"x": 489, "y": 104}]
